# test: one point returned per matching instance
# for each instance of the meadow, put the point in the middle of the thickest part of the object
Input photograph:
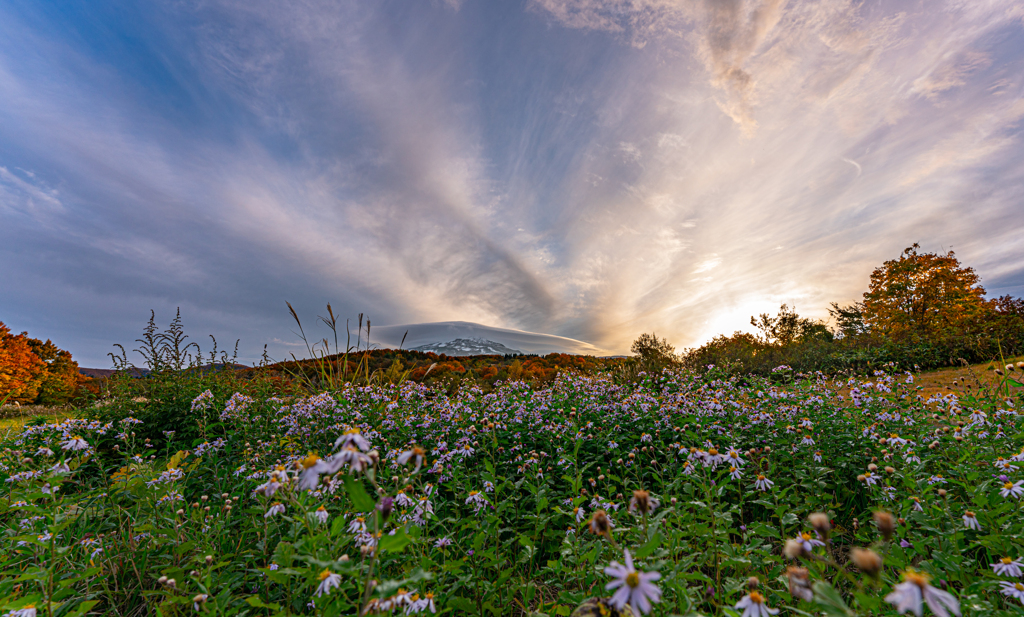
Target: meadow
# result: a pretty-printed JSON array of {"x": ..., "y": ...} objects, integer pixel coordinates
[{"x": 681, "y": 493}]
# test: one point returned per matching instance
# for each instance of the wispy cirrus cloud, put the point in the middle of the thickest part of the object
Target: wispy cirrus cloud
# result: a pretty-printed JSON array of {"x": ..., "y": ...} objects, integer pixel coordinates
[{"x": 591, "y": 169}]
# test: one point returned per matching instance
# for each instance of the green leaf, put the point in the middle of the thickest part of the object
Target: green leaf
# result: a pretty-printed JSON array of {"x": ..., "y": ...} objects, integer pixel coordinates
[
  {"x": 255, "y": 602},
  {"x": 357, "y": 493},
  {"x": 284, "y": 554},
  {"x": 337, "y": 526},
  {"x": 830, "y": 601},
  {"x": 462, "y": 605},
  {"x": 395, "y": 543},
  {"x": 650, "y": 546}
]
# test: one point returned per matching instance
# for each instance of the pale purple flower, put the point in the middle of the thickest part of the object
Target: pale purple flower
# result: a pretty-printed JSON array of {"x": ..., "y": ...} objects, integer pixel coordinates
[
  {"x": 637, "y": 589},
  {"x": 914, "y": 589},
  {"x": 753, "y": 606},
  {"x": 1007, "y": 567}
]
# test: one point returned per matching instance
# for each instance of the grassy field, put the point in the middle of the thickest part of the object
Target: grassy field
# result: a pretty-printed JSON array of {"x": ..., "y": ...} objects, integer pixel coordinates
[{"x": 683, "y": 494}]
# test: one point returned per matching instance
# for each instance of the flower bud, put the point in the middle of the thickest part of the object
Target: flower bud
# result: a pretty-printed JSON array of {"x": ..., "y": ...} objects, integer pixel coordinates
[
  {"x": 162, "y": 580},
  {"x": 208, "y": 559}
]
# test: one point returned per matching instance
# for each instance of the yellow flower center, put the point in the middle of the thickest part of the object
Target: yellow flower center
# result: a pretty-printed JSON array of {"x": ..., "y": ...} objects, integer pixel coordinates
[
  {"x": 471, "y": 493},
  {"x": 1006, "y": 560},
  {"x": 321, "y": 509},
  {"x": 918, "y": 578},
  {"x": 1008, "y": 485},
  {"x": 309, "y": 461},
  {"x": 1018, "y": 587},
  {"x": 325, "y": 574},
  {"x": 760, "y": 477},
  {"x": 713, "y": 452},
  {"x": 756, "y": 597},
  {"x": 633, "y": 579},
  {"x": 806, "y": 536}
]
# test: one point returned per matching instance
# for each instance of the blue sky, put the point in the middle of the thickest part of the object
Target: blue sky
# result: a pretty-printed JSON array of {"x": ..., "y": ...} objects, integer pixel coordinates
[{"x": 587, "y": 168}]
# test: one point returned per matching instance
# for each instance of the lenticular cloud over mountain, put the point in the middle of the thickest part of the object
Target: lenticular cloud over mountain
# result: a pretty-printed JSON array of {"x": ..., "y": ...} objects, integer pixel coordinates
[
  {"x": 460, "y": 338},
  {"x": 592, "y": 169}
]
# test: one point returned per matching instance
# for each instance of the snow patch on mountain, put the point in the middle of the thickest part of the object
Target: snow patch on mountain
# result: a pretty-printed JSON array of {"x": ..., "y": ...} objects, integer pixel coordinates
[{"x": 468, "y": 347}]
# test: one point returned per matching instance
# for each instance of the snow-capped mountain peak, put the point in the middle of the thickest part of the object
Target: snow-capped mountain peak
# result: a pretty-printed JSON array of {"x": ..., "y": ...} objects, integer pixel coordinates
[{"x": 468, "y": 347}]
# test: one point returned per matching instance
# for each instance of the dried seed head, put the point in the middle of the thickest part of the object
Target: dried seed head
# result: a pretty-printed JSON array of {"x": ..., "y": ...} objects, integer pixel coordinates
[
  {"x": 890, "y": 469},
  {"x": 753, "y": 583},
  {"x": 942, "y": 492},
  {"x": 641, "y": 501},
  {"x": 799, "y": 583},
  {"x": 867, "y": 561},
  {"x": 885, "y": 523},
  {"x": 793, "y": 549},
  {"x": 872, "y": 467},
  {"x": 599, "y": 523},
  {"x": 820, "y": 522}
]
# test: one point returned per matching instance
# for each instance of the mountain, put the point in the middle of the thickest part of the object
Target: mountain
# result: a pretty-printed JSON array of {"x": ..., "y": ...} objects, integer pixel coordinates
[
  {"x": 517, "y": 341},
  {"x": 468, "y": 347}
]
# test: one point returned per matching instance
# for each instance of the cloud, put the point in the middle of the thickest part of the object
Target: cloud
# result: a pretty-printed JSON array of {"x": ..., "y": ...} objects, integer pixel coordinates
[{"x": 590, "y": 169}]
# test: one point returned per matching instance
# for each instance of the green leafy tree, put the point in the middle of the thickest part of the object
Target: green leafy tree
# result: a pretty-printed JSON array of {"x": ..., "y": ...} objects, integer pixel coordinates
[
  {"x": 787, "y": 327},
  {"x": 653, "y": 353}
]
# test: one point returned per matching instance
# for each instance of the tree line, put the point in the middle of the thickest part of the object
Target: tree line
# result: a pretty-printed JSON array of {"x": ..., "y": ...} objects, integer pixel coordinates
[{"x": 923, "y": 310}]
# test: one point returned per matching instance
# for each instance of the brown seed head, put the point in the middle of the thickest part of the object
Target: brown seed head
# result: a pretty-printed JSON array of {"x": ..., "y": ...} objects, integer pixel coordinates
[
  {"x": 599, "y": 523},
  {"x": 886, "y": 524},
  {"x": 820, "y": 522},
  {"x": 867, "y": 561}
]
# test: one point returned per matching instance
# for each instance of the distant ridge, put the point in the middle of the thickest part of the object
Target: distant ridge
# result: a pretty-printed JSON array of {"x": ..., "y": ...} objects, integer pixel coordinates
[{"x": 468, "y": 347}]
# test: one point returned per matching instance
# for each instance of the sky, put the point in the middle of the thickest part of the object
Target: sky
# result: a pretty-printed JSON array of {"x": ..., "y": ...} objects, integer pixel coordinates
[{"x": 591, "y": 169}]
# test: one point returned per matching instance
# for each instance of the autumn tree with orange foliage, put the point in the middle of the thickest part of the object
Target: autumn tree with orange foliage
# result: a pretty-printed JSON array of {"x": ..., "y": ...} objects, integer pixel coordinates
[
  {"x": 923, "y": 296},
  {"x": 21, "y": 370}
]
